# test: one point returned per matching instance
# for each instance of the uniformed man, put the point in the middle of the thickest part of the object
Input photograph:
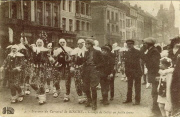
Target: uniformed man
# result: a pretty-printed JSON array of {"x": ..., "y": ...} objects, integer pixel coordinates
[
  {"x": 133, "y": 72},
  {"x": 91, "y": 73}
]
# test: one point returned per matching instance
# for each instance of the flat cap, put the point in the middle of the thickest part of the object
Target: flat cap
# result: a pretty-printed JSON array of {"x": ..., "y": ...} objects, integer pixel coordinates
[
  {"x": 130, "y": 41},
  {"x": 150, "y": 40},
  {"x": 90, "y": 41}
]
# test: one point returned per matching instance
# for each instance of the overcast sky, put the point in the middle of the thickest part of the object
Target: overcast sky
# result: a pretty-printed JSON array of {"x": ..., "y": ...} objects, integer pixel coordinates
[{"x": 153, "y": 7}]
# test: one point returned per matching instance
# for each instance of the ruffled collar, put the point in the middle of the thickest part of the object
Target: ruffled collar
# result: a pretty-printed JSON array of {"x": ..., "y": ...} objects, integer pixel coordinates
[
  {"x": 39, "y": 49},
  {"x": 16, "y": 54},
  {"x": 79, "y": 51}
]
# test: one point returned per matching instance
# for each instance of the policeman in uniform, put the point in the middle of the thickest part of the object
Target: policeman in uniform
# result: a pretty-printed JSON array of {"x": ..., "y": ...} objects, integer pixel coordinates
[{"x": 133, "y": 72}]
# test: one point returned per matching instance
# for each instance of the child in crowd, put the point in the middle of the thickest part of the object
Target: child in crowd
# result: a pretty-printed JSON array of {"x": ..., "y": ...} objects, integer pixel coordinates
[{"x": 164, "y": 95}]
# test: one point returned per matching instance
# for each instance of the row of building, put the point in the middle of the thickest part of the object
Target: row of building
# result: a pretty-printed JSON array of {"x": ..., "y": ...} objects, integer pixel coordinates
[
  {"x": 106, "y": 21},
  {"x": 59, "y": 19},
  {"x": 117, "y": 21}
]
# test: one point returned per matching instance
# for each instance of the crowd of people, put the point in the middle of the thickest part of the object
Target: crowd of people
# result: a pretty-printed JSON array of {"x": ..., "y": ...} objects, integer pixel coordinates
[{"x": 37, "y": 65}]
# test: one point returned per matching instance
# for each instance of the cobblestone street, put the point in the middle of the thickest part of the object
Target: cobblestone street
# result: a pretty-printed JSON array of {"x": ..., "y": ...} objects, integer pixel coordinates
[{"x": 30, "y": 105}]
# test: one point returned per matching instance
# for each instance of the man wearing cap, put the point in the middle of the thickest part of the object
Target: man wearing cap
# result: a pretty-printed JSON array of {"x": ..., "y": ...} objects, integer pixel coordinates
[
  {"x": 108, "y": 71},
  {"x": 111, "y": 79},
  {"x": 152, "y": 61},
  {"x": 93, "y": 63},
  {"x": 133, "y": 72}
]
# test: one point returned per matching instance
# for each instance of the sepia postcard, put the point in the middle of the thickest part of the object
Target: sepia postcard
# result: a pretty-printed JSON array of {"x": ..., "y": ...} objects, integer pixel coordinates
[{"x": 85, "y": 58}]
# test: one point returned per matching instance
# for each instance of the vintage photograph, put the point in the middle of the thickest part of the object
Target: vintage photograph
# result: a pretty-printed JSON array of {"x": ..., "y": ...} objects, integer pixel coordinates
[{"x": 89, "y": 58}]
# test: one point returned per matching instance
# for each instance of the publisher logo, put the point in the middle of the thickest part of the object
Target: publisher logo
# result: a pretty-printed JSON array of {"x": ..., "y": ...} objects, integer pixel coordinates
[{"x": 8, "y": 110}]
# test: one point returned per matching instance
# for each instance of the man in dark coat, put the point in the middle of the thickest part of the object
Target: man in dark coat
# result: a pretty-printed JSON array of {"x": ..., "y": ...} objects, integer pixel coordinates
[
  {"x": 133, "y": 72},
  {"x": 92, "y": 71},
  {"x": 111, "y": 80},
  {"x": 108, "y": 71},
  {"x": 152, "y": 61}
]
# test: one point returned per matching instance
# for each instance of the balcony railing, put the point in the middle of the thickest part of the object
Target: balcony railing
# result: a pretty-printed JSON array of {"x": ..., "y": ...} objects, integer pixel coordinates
[{"x": 78, "y": 15}]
